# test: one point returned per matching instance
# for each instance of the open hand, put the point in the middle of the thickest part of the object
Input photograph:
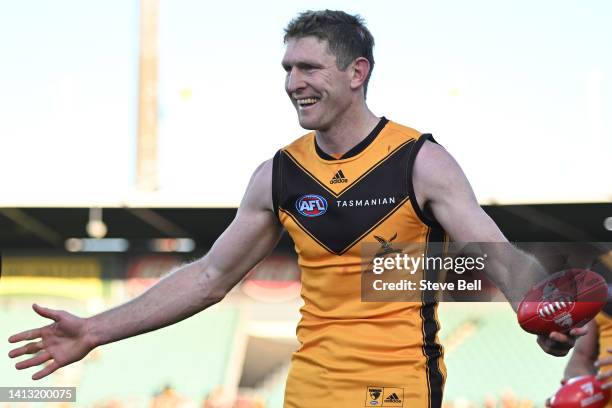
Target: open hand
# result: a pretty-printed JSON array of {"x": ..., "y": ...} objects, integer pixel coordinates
[{"x": 60, "y": 343}]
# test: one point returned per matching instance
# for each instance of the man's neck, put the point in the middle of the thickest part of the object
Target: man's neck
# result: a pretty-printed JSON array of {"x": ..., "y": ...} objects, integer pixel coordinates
[{"x": 347, "y": 133}]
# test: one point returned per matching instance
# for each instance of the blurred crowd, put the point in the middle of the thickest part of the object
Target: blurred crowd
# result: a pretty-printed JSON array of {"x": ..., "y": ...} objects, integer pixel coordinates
[
  {"x": 506, "y": 400},
  {"x": 170, "y": 398}
]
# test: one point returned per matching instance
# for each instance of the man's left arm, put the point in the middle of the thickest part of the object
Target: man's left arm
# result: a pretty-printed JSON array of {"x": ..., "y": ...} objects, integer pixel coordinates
[{"x": 442, "y": 190}]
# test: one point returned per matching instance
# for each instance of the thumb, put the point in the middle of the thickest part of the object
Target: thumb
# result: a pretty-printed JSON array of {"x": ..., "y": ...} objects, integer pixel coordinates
[{"x": 46, "y": 312}]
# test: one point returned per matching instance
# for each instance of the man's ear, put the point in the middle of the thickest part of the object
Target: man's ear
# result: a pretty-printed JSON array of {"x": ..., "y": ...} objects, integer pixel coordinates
[{"x": 359, "y": 69}]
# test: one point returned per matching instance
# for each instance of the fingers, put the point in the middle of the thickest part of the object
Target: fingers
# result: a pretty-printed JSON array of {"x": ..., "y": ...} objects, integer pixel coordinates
[
  {"x": 49, "y": 368},
  {"x": 579, "y": 331},
  {"x": 35, "y": 333},
  {"x": 25, "y": 335},
  {"x": 604, "y": 376},
  {"x": 561, "y": 337},
  {"x": 606, "y": 386},
  {"x": 46, "y": 312},
  {"x": 568, "y": 338},
  {"x": 556, "y": 344},
  {"x": 30, "y": 348},
  {"x": 559, "y": 344},
  {"x": 36, "y": 360},
  {"x": 604, "y": 361}
]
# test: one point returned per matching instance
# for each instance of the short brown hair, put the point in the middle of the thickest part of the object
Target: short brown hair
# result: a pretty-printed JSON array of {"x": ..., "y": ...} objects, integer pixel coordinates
[{"x": 347, "y": 35}]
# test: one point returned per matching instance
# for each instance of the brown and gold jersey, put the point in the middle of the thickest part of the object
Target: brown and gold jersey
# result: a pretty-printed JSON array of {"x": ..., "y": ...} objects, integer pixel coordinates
[
  {"x": 604, "y": 329},
  {"x": 355, "y": 353}
]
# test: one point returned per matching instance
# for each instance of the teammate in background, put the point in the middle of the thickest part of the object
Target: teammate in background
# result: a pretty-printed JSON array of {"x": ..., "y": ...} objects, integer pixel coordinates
[
  {"x": 357, "y": 178},
  {"x": 593, "y": 352}
]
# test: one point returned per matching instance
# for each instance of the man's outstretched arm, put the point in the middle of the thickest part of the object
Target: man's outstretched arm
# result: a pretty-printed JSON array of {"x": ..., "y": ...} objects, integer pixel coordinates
[
  {"x": 441, "y": 186},
  {"x": 443, "y": 189},
  {"x": 250, "y": 237}
]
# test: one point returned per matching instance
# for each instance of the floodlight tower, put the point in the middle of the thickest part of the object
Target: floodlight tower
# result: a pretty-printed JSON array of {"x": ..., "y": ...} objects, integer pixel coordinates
[{"x": 146, "y": 161}]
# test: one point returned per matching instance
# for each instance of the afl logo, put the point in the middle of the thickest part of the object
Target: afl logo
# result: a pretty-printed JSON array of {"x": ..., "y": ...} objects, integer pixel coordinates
[{"x": 311, "y": 205}]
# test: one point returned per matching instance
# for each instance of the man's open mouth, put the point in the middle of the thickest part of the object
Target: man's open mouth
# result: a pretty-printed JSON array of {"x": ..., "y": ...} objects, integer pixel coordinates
[{"x": 306, "y": 102}]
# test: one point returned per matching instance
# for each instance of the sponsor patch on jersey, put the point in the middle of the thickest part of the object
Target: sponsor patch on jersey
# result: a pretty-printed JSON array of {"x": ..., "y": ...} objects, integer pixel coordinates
[
  {"x": 384, "y": 397},
  {"x": 393, "y": 397},
  {"x": 338, "y": 178},
  {"x": 374, "y": 396},
  {"x": 311, "y": 205}
]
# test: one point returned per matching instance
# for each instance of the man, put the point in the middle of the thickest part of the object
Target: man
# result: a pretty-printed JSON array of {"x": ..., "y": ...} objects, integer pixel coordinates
[
  {"x": 593, "y": 350},
  {"x": 356, "y": 179}
]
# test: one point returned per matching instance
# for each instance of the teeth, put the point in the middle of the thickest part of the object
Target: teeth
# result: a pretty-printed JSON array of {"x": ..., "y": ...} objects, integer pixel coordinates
[{"x": 307, "y": 101}]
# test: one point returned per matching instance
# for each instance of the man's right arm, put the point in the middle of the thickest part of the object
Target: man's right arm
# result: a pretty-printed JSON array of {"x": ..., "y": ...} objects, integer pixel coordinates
[{"x": 250, "y": 237}]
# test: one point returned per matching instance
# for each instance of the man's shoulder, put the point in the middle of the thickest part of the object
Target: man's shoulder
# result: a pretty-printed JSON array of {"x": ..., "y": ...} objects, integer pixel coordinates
[
  {"x": 397, "y": 129},
  {"x": 301, "y": 143}
]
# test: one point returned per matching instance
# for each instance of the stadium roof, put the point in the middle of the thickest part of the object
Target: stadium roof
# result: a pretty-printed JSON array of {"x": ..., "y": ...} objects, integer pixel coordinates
[{"x": 49, "y": 228}]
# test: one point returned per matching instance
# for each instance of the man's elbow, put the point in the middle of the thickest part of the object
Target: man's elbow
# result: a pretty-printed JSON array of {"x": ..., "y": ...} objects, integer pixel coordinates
[{"x": 213, "y": 284}]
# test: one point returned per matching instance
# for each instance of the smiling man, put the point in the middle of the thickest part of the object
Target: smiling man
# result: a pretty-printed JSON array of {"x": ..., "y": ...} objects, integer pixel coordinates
[{"x": 357, "y": 178}]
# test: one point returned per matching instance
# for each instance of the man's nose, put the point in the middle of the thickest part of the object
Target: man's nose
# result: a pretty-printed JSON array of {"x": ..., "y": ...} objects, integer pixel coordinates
[{"x": 294, "y": 81}]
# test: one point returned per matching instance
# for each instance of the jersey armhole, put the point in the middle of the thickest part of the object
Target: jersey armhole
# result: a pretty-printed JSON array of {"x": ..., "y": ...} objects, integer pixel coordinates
[
  {"x": 607, "y": 310},
  {"x": 277, "y": 183},
  {"x": 427, "y": 220}
]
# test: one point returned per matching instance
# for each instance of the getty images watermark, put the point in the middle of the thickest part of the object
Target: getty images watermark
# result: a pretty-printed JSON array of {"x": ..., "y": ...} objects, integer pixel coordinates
[
  {"x": 393, "y": 271},
  {"x": 453, "y": 271},
  {"x": 412, "y": 264}
]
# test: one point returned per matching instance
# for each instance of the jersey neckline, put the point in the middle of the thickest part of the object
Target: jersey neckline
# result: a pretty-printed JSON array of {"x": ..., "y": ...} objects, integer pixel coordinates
[{"x": 358, "y": 148}]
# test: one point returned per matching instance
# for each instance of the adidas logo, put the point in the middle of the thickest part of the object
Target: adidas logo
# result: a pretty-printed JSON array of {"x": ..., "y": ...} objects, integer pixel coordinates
[
  {"x": 338, "y": 178},
  {"x": 393, "y": 398}
]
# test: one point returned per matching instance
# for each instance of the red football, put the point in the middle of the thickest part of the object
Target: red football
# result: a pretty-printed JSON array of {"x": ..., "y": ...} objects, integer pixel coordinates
[
  {"x": 581, "y": 392},
  {"x": 565, "y": 300}
]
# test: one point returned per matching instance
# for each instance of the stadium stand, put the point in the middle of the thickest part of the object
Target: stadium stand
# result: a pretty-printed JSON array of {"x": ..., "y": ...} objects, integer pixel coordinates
[
  {"x": 495, "y": 358},
  {"x": 191, "y": 356}
]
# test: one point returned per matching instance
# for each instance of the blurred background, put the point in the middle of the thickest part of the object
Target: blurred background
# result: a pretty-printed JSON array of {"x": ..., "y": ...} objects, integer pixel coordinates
[{"x": 129, "y": 130}]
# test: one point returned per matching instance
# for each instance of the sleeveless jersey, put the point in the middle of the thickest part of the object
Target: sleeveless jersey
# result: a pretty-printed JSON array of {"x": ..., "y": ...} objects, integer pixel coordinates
[
  {"x": 604, "y": 329},
  {"x": 354, "y": 353}
]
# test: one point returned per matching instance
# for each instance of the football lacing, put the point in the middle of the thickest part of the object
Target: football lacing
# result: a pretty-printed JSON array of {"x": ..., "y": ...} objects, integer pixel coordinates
[{"x": 553, "y": 307}]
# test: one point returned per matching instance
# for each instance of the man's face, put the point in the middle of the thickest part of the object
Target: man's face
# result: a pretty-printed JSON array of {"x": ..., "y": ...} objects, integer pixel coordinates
[{"x": 320, "y": 92}]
